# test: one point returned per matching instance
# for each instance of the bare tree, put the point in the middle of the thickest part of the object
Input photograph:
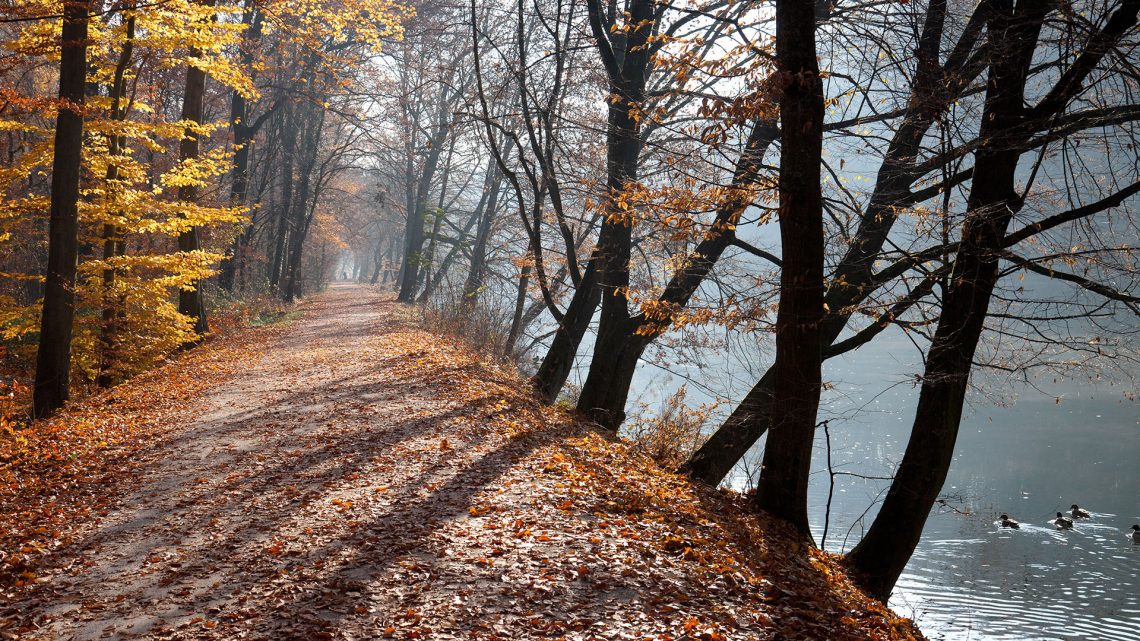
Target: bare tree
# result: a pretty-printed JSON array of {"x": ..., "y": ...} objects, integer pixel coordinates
[
  {"x": 1006, "y": 128},
  {"x": 787, "y": 456}
]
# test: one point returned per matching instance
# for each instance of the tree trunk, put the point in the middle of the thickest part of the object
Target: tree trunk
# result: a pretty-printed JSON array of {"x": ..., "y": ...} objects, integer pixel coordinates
[
  {"x": 559, "y": 359},
  {"x": 598, "y": 401},
  {"x": 517, "y": 316},
  {"x": 787, "y": 454},
  {"x": 190, "y": 301},
  {"x": 739, "y": 432},
  {"x": 390, "y": 255},
  {"x": 288, "y": 153},
  {"x": 413, "y": 247},
  {"x": 606, "y": 389},
  {"x": 303, "y": 211},
  {"x": 614, "y": 364},
  {"x": 53, "y": 357},
  {"x": 879, "y": 559},
  {"x": 414, "y": 236},
  {"x": 473, "y": 285},
  {"x": 427, "y": 281},
  {"x": 243, "y": 134},
  {"x": 934, "y": 87},
  {"x": 113, "y": 242},
  {"x": 425, "y": 285},
  {"x": 108, "y": 329},
  {"x": 378, "y": 262}
]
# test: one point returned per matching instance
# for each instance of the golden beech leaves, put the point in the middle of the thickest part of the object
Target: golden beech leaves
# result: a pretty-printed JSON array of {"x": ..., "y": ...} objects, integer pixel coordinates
[
  {"x": 129, "y": 185},
  {"x": 367, "y": 21},
  {"x": 131, "y": 177}
]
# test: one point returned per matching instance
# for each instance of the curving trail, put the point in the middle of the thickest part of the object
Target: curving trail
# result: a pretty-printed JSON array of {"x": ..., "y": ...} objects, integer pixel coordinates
[{"x": 364, "y": 479}]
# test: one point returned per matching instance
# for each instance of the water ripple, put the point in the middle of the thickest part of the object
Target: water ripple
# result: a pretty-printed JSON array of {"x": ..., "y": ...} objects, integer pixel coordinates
[{"x": 1005, "y": 584}]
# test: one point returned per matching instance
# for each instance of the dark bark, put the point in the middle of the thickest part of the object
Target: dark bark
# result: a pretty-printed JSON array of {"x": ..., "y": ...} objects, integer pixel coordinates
[
  {"x": 190, "y": 301},
  {"x": 53, "y": 357},
  {"x": 934, "y": 87},
  {"x": 627, "y": 80},
  {"x": 881, "y": 556},
  {"x": 716, "y": 457},
  {"x": 243, "y": 133},
  {"x": 614, "y": 363},
  {"x": 113, "y": 242},
  {"x": 559, "y": 360},
  {"x": 113, "y": 246},
  {"x": 303, "y": 209},
  {"x": 783, "y": 486}
]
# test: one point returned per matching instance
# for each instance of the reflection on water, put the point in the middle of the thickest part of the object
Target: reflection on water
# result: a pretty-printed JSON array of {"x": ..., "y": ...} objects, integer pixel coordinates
[
  {"x": 969, "y": 578},
  {"x": 1032, "y": 583}
]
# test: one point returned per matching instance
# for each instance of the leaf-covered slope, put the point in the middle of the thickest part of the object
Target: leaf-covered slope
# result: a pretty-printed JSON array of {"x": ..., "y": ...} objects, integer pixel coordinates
[{"x": 365, "y": 479}]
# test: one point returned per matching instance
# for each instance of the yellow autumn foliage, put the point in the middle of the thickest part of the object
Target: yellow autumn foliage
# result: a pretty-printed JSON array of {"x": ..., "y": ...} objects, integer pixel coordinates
[{"x": 131, "y": 174}]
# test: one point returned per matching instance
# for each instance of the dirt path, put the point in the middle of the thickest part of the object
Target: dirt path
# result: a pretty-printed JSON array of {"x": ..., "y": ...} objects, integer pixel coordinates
[
  {"x": 277, "y": 456},
  {"x": 363, "y": 479}
]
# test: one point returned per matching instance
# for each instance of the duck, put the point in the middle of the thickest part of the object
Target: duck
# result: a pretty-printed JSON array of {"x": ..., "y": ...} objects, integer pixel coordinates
[
  {"x": 1063, "y": 522},
  {"x": 1136, "y": 534},
  {"x": 1079, "y": 512},
  {"x": 1008, "y": 522}
]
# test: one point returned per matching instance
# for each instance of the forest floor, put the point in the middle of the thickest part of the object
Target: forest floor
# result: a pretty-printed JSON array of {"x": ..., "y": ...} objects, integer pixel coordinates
[{"x": 349, "y": 476}]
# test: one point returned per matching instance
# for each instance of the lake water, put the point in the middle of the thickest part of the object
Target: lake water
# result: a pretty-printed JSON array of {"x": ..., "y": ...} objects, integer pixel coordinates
[{"x": 970, "y": 579}]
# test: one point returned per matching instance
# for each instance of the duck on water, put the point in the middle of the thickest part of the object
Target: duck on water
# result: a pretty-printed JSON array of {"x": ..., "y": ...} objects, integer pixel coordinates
[{"x": 1063, "y": 522}]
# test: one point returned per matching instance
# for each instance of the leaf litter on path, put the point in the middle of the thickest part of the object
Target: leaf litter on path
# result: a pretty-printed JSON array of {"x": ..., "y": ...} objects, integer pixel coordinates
[{"x": 354, "y": 477}]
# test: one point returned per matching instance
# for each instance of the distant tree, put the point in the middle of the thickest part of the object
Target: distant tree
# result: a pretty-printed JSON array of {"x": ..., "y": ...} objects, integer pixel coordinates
[{"x": 432, "y": 81}]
